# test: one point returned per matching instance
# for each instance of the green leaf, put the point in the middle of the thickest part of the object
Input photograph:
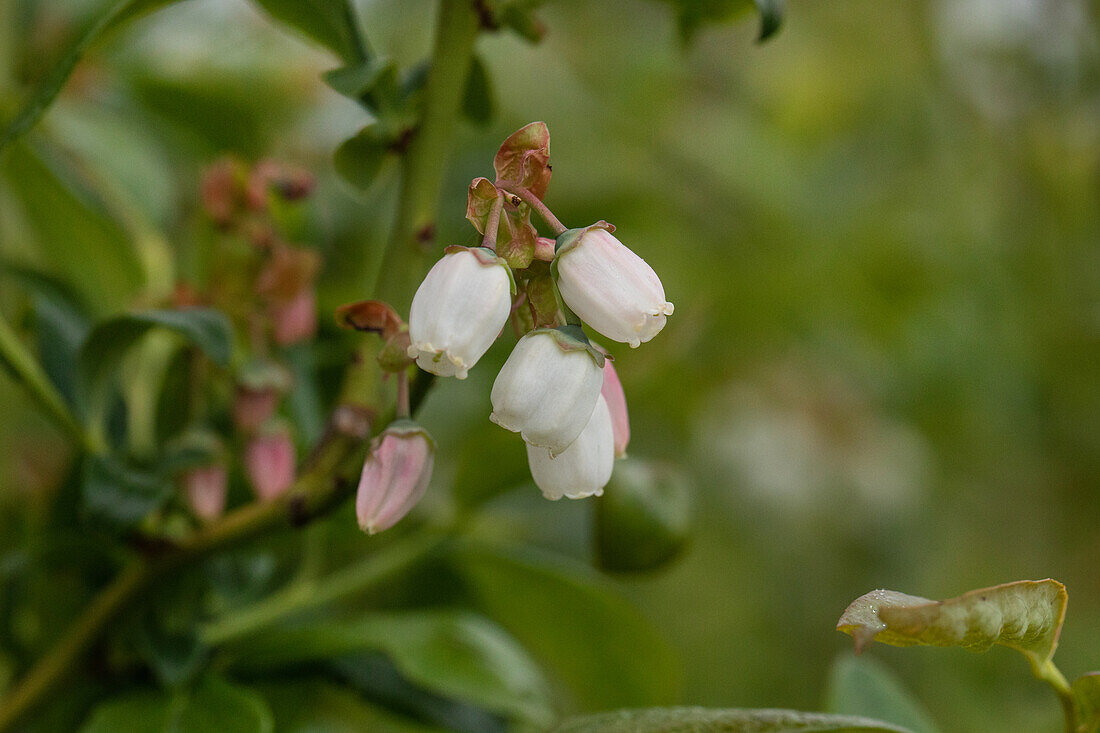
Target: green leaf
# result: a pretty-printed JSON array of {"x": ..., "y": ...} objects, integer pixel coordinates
[
  {"x": 359, "y": 159},
  {"x": 706, "y": 720},
  {"x": 643, "y": 518},
  {"x": 207, "y": 328},
  {"x": 1086, "y": 693},
  {"x": 771, "y": 18},
  {"x": 477, "y": 98},
  {"x": 455, "y": 654},
  {"x": 78, "y": 243},
  {"x": 138, "y": 712},
  {"x": 54, "y": 81},
  {"x": 362, "y": 80},
  {"x": 214, "y": 706},
  {"x": 331, "y": 23},
  {"x": 312, "y": 706},
  {"x": 861, "y": 686},
  {"x": 122, "y": 495},
  {"x": 1025, "y": 615},
  {"x": 573, "y": 624},
  {"x": 217, "y": 706},
  {"x": 695, "y": 14}
]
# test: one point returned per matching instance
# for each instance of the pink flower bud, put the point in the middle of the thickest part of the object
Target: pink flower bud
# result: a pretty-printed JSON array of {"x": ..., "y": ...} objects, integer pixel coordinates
[
  {"x": 269, "y": 462},
  {"x": 547, "y": 389},
  {"x": 612, "y": 391},
  {"x": 459, "y": 310},
  {"x": 296, "y": 319},
  {"x": 205, "y": 488},
  {"x": 395, "y": 476},
  {"x": 582, "y": 469},
  {"x": 609, "y": 287}
]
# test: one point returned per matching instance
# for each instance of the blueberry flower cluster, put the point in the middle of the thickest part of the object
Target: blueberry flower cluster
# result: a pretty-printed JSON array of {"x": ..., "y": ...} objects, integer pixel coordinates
[{"x": 557, "y": 389}]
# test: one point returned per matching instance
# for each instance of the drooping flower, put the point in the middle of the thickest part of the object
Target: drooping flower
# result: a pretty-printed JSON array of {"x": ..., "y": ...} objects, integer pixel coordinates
[
  {"x": 395, "y": 475},
  {"x": 459, "y": 310},
  {"x": 547, "y": 388},
  {"x": 612, "y": 391},
  {"x": 609, "y": 287},
  {"x": 205, "y": 488},
  {"x": 269, "y": 461},
  {"x": 583, "y": 468}
]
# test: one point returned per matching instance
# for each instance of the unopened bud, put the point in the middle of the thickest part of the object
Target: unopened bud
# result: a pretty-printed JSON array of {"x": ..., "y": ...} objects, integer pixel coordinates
[
  {"x": 269, "y": 461},
  {"x": 395, "y": 476},
  {"x": 612, "y": 391},
  {"x": 205, "y": 488},
  {"x": 296, "y": 319}
]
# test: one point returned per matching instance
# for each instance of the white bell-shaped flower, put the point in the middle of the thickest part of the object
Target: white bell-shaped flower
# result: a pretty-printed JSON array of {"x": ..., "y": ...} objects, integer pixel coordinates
[
  {"x": 609, "y": 287},
  {"x": 582, "y": 469},
  {"x": 547, "y": 388},
  {"x": 459, "y": 310}
]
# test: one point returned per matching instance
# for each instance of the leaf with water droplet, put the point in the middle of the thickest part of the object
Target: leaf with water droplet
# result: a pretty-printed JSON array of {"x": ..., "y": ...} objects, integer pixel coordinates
[{"x": 1025, "y": 615}]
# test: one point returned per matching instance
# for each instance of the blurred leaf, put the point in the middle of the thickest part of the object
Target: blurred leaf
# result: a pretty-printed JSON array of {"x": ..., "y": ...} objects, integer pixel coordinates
[
  {"x": 644, "y": 517},
  {"x": 60, "y": 328},
  {"x": 121, "y": 494},
  {"x": 771, "y": 18},
  {"x": 138, "y": 712},
  {"x": 477, "y": 97},
  {"x": 1086, "y": 693},
  {"x": 375, "y": 677},
  {"x": 589, "y": 637},
  {"x": 78, "y": 243},
  {"x": 861, "y": 686},
  {"x": 685, "y": 720},
  {"x": 207, "y": 328},
  {"x": 458, "y": 655},
  {"x": 372, "y": 82},
  {"x": 1025, "y": 615},
  {"x": 359, "y": 159},
  {"x": 314, "y": 706},
  {"x": 217, "y": 706},
  {"x": 214, "y": 706},
  {"x": 477, "y": 480},
  {"x": 331, "y": 23},
  {"x": 54, "y": 81},
  {"x": 694, "y": 14}
]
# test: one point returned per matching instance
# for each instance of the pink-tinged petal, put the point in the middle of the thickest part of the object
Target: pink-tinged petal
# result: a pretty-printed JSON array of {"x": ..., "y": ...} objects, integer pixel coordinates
[
  {"x": 205, "y": 488},
  {"x": 611, "y": 288},
  {"x": 395, "y": 477},
  {"x": 269, "y": 461},
  {"x": 612, "y": 391}
]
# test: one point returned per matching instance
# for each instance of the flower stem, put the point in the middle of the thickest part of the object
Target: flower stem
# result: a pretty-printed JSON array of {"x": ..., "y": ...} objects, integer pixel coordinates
[
  {"x": 23, "y": 365},
  {"x": 492, "y": 224},
  {"x": 402, "y": 394},
  {"x": 529, "y": 198}
]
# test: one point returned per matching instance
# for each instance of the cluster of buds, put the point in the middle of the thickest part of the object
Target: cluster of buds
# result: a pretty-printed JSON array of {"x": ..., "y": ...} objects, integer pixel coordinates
[
  {"x": 557, "y": 389},
  {"x": 266, "y": 286}
]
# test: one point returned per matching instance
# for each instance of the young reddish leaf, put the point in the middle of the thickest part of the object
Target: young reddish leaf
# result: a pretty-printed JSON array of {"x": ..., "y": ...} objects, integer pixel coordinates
[
  {"x": 524, "y": 158},
  {"x": 479, "y": 201},
  {"x": 543, "y": 301},
  {"x": 1025, "y": 615},
  {"x": 375, "y": 316}
]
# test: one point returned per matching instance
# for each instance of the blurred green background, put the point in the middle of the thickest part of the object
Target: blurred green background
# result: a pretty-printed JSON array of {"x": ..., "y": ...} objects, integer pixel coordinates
[{"x": 881, "y": 231}]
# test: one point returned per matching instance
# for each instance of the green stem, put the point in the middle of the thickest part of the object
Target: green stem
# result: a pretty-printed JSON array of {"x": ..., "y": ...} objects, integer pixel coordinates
[
  {"x": 422, "y": 174},
  {"x": 1049, "y": 673},
  {"x": 315, "y": 593},
  {"x": 30, "y": 374},
  {"x": 529, "y": 198}
]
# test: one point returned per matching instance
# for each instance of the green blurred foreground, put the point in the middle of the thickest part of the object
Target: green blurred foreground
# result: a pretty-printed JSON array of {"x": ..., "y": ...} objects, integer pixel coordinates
[{"x": 880, "y": 230}]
